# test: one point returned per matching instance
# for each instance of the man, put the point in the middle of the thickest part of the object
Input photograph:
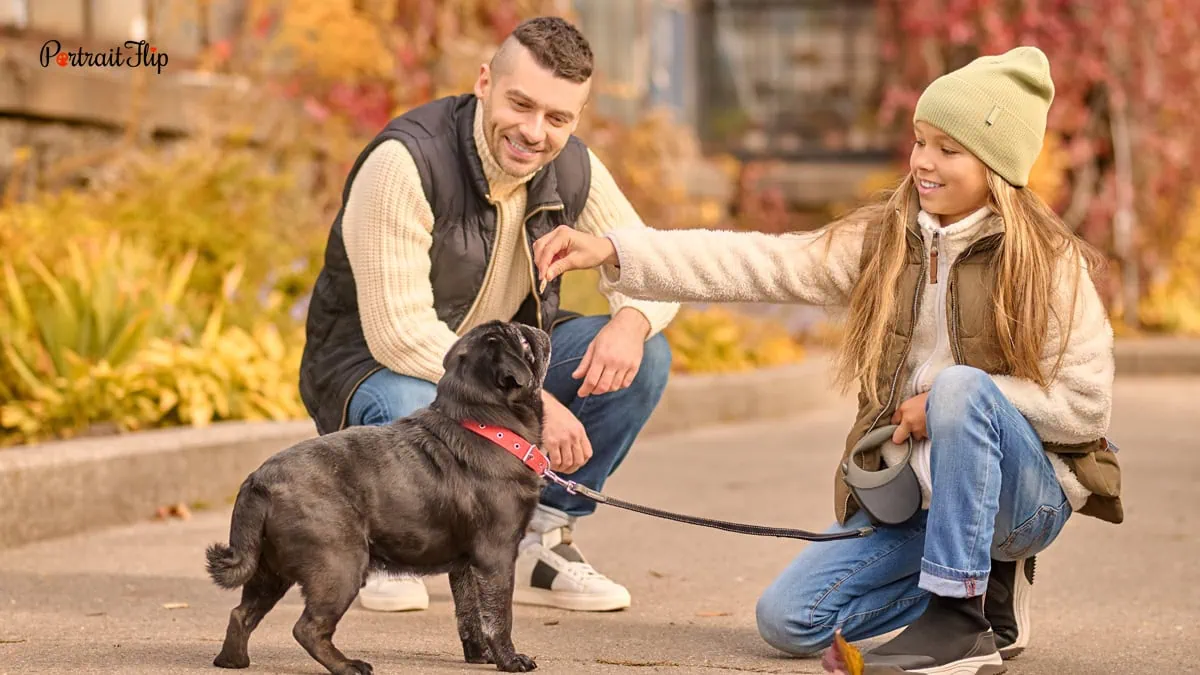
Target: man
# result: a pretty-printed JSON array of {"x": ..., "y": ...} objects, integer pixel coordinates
[{"x": 434, "y": 237}]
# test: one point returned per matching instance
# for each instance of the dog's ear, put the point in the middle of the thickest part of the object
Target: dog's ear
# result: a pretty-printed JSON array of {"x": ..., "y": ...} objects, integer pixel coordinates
[{"x": 512, "y": 374}]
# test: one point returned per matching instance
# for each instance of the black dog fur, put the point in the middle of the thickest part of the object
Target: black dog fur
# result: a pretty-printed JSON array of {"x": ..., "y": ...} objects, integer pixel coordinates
[{"x": 422, "y": 495}]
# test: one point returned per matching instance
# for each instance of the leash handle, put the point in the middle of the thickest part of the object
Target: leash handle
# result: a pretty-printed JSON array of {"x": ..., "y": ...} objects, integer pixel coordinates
[{"x": 739, "y": 528}]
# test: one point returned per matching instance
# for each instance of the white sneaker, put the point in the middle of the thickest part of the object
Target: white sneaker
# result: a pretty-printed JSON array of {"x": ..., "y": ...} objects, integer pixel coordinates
[
  {"x": 383, "y": 593},
  {"x": 552, "y": 572}
]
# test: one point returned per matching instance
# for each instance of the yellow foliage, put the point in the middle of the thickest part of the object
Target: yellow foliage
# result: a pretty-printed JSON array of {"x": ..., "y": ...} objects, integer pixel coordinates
[
  {"x": 717, "y": 340},
  {"x": 1173, "y": 302},
  {"x": 335, "y": 38},
  {"x": 99, "y": 343},
  {"x": 1048, "y": 176},
  {"x": 648, "y": 160},
  {"x": 231, "y": 374},
  {"x": 223, "y": 204}
]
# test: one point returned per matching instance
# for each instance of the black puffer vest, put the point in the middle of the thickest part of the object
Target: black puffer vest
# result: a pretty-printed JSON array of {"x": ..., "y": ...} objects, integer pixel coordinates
[{"x": 440, "y": 137}]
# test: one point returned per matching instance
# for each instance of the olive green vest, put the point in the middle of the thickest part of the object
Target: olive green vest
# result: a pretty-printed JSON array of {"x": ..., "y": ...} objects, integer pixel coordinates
[{"x": 973, "y": 342}]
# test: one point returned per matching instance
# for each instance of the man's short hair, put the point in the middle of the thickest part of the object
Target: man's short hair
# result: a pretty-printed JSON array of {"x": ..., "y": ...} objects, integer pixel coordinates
[{"x": 556, "y": 45}]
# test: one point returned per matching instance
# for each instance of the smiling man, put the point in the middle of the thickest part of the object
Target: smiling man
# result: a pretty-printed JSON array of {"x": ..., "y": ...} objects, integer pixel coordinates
[{"x": 434, "y": 237}]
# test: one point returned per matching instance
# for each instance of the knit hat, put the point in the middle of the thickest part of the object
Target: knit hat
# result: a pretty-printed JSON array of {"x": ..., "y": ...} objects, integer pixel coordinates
[{"x": 996, "y": 107}]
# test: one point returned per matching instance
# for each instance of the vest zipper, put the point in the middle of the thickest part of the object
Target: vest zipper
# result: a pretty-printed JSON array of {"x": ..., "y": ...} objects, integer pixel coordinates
[
  {"x": 537, "y": 298},
  {"x": 487, "y": 273},
  {"x": 933, "y": 258},
  {"x": 916, "y": 310}
]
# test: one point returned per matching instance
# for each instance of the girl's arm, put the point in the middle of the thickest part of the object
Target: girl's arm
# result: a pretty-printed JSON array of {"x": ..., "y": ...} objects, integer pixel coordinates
[
  {"x": 1077, "y": 405},
  {"x": 722, "y": 266}
]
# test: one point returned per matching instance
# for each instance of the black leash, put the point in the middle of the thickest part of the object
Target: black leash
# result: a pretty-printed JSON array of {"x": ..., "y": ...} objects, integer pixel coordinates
[{"x": 740, "y": 528}]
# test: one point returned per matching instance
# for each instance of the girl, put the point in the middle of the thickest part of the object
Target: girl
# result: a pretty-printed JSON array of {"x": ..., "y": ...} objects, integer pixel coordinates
[{"x": 973, "y": 325}]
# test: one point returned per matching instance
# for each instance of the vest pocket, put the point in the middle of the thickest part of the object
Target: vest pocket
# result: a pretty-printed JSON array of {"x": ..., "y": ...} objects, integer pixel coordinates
[{"x": 1097, "y": 471}]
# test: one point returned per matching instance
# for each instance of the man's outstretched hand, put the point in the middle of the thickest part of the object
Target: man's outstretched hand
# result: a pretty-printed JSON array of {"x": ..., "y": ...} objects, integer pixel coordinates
[{"x": 566, "y": 249}]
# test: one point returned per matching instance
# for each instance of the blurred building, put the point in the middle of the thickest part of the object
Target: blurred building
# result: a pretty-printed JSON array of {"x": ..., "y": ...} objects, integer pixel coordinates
[{"x": 794, "y": 82}]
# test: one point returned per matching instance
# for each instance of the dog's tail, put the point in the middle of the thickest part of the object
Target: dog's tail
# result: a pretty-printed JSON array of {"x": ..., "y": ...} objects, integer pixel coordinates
[{"x": 232, "y": 566}]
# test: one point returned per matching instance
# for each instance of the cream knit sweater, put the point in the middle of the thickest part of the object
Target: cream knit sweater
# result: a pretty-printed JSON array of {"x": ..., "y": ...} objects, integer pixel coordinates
[
  {"x": 388, "y": 232},
  {"x": 721, "y": 266}
]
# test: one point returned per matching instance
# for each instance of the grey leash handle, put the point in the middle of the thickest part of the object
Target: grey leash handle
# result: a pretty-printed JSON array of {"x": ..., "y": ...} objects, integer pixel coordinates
[{"x": 739, "y": 528}]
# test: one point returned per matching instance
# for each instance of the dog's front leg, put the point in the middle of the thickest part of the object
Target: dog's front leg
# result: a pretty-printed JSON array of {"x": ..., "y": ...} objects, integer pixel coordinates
[
  {"x": 494, "y": 576},
  {"x": 466, "y": 609}
]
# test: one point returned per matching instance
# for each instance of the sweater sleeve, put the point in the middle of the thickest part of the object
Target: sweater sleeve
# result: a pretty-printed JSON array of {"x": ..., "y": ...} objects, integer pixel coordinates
[
  {"x": 701, "y": 265},
  {"x": 1077, "y": 406},
  {"x": 387, "y": 228},
  {"x": 608, "y": 208}
]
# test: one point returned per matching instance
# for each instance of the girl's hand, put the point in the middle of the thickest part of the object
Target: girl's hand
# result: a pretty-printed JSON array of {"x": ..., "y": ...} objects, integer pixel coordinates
[
  {"x": 566, "y": 249},
  {"x": 911, "y": 418}
]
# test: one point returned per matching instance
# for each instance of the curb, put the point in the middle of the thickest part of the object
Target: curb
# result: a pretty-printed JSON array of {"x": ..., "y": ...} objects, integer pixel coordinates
[
  {"x": 68, "y": 487},
  {"x": 1157, "y": 356}
]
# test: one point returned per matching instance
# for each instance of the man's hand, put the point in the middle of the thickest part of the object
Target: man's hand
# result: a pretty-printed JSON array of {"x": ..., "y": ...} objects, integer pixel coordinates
[
  {"x": 911, "y": 418},
  {"x": 566, "y": 249},
  {"x": 615, "y": 354},
  {"x": 563, "y": 437}
]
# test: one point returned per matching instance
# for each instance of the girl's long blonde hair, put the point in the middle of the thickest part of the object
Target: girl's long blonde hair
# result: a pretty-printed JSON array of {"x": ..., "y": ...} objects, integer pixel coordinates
[{"x": 1036, "y": 243}]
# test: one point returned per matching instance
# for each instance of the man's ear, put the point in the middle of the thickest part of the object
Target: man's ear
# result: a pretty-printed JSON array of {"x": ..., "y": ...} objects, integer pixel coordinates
[{"x": 483, "y": 82}]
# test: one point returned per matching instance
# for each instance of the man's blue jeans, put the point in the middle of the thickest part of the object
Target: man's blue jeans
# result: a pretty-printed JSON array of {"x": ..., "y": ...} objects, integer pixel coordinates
[
  {"x": 612, "y": 420},
  {"x": 994, "y": 495}
]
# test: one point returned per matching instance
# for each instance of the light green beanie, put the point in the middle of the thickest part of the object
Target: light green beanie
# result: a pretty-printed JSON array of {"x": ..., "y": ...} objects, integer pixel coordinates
[{"x": 996, "y": 107}]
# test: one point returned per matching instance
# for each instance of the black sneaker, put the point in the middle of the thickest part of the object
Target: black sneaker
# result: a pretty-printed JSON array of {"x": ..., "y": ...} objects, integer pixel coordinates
[
  {"x": 1010, "y": 587},
  {"x": 951, "y": 637}
]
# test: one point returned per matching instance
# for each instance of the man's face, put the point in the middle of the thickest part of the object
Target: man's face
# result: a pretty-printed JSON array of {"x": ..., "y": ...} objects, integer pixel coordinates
[{"x": 528, "y": 113}]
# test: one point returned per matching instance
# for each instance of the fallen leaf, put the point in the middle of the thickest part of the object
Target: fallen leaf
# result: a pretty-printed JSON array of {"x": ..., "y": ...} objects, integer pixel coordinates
[
  {"x": 712, "y": 613},
  {"x": 552, "y": 622},
  {"x": 842, "y": 657},
  {"x": 657, "y": 575},
  {"x": 96, "y": 614},
  {"x": 175, "y": 605}
]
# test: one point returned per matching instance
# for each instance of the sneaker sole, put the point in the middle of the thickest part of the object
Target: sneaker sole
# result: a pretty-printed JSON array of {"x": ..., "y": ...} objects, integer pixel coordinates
[
  {"x": 1022, "y": 594},
  {"x": 990, "y": 664},
  {"x": 573, "y": 601}
]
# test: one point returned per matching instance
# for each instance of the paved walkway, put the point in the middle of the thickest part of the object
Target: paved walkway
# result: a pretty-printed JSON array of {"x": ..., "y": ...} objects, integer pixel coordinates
[{"x": 1108, "y": 599}]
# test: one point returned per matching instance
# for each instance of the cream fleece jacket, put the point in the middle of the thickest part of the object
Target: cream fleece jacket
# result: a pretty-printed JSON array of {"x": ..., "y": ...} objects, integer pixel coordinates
[
  {"x": 723, "y": 266},
  {"x": 388, "y": 232}
]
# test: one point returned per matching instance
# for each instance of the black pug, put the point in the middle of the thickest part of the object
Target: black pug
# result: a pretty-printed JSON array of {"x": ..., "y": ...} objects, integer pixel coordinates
[{"x": 423, "y": 495}]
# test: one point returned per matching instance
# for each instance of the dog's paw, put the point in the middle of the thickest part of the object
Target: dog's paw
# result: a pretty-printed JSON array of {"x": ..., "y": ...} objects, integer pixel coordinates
[
  {"x": 224, "y": 660},
  {"x": 518, "y": 664},
  {"x": 476, "y": 652},
  {"x": 356, "y": 667}
]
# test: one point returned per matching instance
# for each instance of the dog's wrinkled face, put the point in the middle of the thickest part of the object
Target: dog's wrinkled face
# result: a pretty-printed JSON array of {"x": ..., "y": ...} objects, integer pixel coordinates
[{"x": 507, "y": 358}]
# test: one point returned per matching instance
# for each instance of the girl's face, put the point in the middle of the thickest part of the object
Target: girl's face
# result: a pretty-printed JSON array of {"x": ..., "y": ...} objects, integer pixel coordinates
[{"x": 951, "y": 182}]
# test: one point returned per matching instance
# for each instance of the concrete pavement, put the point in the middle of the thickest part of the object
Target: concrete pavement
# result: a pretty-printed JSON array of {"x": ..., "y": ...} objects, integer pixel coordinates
[{"x": 1107, "y": 599}]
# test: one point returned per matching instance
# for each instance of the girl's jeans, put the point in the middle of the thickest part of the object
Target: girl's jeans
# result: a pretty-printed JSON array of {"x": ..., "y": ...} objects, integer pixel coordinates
[{"x": 994, "y": 495}]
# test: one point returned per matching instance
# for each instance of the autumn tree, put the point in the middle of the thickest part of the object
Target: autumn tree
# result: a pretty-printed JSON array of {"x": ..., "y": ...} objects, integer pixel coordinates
[{"x": 1122, "y": 128}]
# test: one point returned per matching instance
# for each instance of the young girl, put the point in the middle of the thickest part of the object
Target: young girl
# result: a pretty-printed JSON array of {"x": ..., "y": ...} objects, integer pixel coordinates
[{"x": 974, "y": 326}]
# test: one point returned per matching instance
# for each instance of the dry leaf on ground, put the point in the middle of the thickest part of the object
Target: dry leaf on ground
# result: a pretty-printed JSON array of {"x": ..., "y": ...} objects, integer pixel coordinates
[{"x": 842, "y": 657}]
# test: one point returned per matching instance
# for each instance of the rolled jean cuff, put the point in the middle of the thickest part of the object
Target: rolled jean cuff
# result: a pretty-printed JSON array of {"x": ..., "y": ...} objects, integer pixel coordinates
[
  {"x": 951, "y": 583},
  {"x": 546, "y": 518}
]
